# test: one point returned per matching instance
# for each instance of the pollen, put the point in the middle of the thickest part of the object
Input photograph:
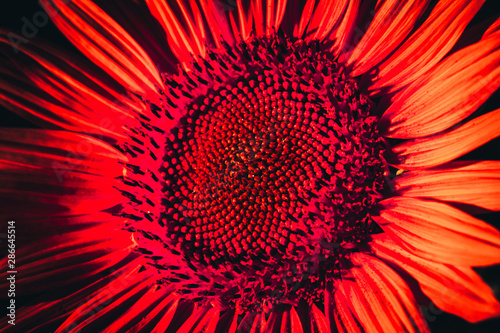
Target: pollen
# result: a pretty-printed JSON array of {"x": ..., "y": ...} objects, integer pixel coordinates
[{"x": 255, "y": 174}]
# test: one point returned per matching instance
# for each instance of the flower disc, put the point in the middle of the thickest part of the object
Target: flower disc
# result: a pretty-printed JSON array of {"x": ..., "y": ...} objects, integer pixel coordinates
[{"x": 269, "y": 173}]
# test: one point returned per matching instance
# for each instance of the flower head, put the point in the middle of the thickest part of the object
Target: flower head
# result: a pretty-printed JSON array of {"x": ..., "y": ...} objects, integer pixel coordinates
[{"x": 225, "y": 167}]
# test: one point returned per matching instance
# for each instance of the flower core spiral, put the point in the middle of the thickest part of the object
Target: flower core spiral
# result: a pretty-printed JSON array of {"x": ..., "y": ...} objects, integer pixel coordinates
[{"x": 255, "y": 174}]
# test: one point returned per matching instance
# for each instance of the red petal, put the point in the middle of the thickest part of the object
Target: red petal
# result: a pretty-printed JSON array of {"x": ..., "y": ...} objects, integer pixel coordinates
[
  {"x": 167, "y": 315},
  {"x": 56, "y": 92},
  {"x": 107, "y": 44},
  {"x": 162, "y": 312},
  {"x": 253, "y": 322},
  {"x": 493, "y": 29},
  {"x": 326, "y": 15},
  {"x": 344, "y": 318},
  {"x": 319, "y": 324},
  {"x": 392, "y": 22},
  {"x": 42, "y": 149},
  {"x": 283, "y": 319},
  {"x": 439, "y": 232},
  {"x": 458, "y": 290},
  {"x": 215, "y": 14},
  {"x": 57, "y": 180},
  {"x": 436, "y": 150},
  {"x": 473, "y": 183},
  {"x": 274, "y": 14},
  {"x": 182, "y": 42},
  {"x": 426, "y": 46},
  {"x": 41, "y": 314},
  {"x": 202, "y": 320},
  {"x": 246, "y": 21},
  {"x": 156, "y": 303},
  {"x": 116, "y": 298},
  {"x": 446, "y": 95},
  {"x": 304, "y": 18},
  {"x": 342, "y": 33},
  {"x": 228, "y": 322},
  {"x": 379, "y": 298},
  {"x": 69, "y": 267},
  {"x": 258, "y": 15}
]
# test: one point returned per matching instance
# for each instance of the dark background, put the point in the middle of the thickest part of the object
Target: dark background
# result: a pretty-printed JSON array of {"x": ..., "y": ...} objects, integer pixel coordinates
[{"x": 11, "y": 18}]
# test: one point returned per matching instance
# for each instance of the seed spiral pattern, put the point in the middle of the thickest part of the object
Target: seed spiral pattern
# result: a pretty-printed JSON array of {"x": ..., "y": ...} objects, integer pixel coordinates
[{"x": 265, "y": 165}]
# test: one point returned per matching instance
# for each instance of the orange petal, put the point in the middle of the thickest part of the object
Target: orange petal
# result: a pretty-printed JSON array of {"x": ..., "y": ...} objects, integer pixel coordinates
[
  {"x": 446, "y": 95},
  {"x": 106, "y": 43},
  {"x": 342, "y": 33},
  {"x": 439, "y": 232},
  {"x": 493, "y": 29},
  {"x": 379, "y": 298},
  {"x": 341, "y": 316},
  {"x": 319, "y": 324},
  {"x": 392, "y": 22},
  {"x": 436, "y": 150},
  {"x": 426, "y": 46},
  {"x": 473, "y": 183},
  {"x": 458, "y": 290}
]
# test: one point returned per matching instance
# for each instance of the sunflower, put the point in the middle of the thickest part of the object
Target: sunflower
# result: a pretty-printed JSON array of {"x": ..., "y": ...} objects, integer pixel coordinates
[{"x": 250, "y": 166}]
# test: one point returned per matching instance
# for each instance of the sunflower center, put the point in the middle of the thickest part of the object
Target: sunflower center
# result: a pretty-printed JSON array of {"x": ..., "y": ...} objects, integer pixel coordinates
[{"x": 269, "y": 173}]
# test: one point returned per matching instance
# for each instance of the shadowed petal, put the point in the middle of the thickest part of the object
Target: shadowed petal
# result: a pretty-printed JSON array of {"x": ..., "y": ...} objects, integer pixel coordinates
[
  {"x": 228, "y": 322},
  {"x": 55, "y": 92},
  {"x": 312, "y": 318},
  {"x": 77, "y": 178},
  {"x": 201, "y": 321},
  {"x": 326, "y": 15},
  {"x": 42, "y": 314},
  {"x": 253, "y": 322},
  {"x": 100, "y": 38},
  {"x": 183, "y": 43},
  {"x": 113, "y": 302},
  {"x": 69, "y": 258},
  {"x": 283, "y": 319}
]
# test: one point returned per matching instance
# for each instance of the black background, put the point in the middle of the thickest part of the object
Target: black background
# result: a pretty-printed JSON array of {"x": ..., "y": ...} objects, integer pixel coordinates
[{"x": 11, "y": 18}]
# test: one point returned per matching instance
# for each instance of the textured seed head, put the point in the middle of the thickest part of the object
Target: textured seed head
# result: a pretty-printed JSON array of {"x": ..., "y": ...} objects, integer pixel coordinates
[{"x": 255, "y": 174}]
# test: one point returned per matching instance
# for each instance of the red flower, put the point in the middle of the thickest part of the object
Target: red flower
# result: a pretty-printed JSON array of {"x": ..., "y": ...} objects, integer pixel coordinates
[{"x": 244, "y": 176}]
